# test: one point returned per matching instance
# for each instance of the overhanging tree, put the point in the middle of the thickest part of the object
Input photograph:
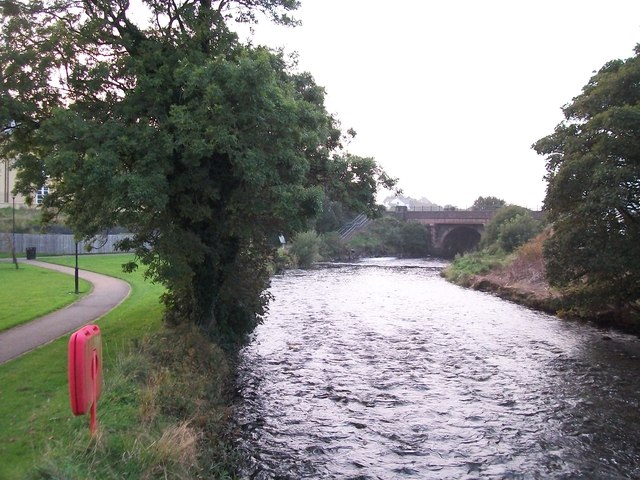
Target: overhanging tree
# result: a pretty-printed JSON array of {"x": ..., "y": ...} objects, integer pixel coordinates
[
  {"x": 206, "y": 149},
  {"x": 593, "y": 192}
]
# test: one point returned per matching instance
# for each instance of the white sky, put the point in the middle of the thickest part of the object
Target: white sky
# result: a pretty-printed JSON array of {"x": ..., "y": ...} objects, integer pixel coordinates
[{"x": 449, "y": 95}]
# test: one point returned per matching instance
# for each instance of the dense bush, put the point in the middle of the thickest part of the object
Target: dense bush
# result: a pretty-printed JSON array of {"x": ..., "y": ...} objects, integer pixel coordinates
[
  {"x": 414, "y": 240},
  {"x": 528, "y": 263},
  {"x": 332, "y": 247},
  {"x": 517, "y": 231},
  {"x": 306, "y": 248},
  {"x": 386, "y": 236},
  {"x": 509, "y": 228},
  {"x": 283, "y": 260},
  {"x": 380, "y": 238}
]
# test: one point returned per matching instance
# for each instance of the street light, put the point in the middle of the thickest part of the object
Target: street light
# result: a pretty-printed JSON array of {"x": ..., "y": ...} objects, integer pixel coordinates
[
  {"x": 76, "y": 271},
  {"x": 13, "y": 231}
]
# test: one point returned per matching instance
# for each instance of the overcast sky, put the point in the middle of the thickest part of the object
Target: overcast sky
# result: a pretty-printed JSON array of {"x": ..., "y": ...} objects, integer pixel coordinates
[{"x": 449, "y": 96}]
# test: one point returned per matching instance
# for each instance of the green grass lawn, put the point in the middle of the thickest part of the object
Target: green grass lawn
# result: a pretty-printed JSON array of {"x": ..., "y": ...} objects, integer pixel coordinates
[
  {"x": 35, "y": 416},
  {"x": 30, "y": 292}
]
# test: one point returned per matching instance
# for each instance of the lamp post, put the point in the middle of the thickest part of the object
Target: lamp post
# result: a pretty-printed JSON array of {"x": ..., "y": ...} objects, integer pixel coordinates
[
  {"x": 13, "y": 231},
  {"x": 76, "y": 272}
]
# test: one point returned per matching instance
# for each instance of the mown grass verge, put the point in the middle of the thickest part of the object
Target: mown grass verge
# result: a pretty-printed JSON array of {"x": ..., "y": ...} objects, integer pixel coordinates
[
  {"x": 30, "y": 292},
  {"x": 162, "y": 406}
]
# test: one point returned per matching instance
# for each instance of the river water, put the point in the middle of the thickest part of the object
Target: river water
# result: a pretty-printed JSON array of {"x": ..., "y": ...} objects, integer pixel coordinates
[{"x": 383, "y": 370}]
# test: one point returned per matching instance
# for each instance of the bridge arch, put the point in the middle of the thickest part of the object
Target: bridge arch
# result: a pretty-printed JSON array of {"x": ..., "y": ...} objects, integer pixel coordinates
[
  {"x": 459, "y": 239},
  {"x": 452, "y": 231}
]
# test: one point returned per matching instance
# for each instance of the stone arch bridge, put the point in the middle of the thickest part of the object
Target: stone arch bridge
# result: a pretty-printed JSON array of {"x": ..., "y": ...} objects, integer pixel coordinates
[{"x": 452, "y": 231}]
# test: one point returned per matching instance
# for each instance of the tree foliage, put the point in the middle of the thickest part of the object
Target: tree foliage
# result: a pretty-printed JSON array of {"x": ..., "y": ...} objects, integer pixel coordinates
[
  {"x": 414, "y": 240},
  {"x": 204, "y": 148},
  {"x": 390, "y": 236},
  {"x": 506, "y": 221},
  {"x": 517, "y": 231},
  {"x": 332, "y": 217},
  {"x": 488, "y": 203},
  {"x": 593, "y": 193}
]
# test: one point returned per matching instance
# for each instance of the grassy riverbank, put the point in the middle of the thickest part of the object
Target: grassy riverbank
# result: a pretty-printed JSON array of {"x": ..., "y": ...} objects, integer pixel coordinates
[
  {"x": 520, "y": 277},
  {"x": 162, "y": 407}
]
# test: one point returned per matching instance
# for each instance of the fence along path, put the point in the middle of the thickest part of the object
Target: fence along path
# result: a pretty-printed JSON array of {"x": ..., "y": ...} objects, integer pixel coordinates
[{"x": 58, "y": 244}]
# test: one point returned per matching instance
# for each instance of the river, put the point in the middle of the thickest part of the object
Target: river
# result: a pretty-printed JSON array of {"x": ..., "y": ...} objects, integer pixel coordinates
[{"x": 383, "y": 370}]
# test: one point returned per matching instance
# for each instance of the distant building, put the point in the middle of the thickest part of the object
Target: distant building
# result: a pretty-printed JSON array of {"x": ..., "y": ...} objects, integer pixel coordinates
[
  {"x": 8, "y": 181},
  {"x": 8, "y": 174},
  {"x": 394, "y": 203}
]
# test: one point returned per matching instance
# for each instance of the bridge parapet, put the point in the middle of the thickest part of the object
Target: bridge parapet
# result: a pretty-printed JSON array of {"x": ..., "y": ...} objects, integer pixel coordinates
[
  {"x": 455, "y": 216},
  {"x": 450, "y": 216}
]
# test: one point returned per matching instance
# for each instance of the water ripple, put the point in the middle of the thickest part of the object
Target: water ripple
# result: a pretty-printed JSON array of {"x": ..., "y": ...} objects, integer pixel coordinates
[{"x": 390, "y": 372}]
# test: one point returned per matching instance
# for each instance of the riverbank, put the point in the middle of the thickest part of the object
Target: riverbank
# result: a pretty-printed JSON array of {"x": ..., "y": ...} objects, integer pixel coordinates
[
  {"x": 520, "y": 278},
  {"x": 530, "y": 292}
]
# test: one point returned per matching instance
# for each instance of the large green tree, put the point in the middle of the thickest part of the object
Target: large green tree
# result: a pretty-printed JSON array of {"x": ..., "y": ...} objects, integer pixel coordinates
[
  {"x": 593, "y": 192},
  {"x": 204, "y": 148}
]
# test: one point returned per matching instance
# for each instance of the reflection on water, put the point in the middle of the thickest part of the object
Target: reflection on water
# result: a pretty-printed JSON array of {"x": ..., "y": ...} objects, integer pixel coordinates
[{"x": 384, "y": 370}]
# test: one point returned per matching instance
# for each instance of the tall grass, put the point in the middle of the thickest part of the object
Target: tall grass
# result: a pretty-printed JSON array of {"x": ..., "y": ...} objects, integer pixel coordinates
[
  {"x": 160, "y": 416},
  {"x": 528, "y": 264}
]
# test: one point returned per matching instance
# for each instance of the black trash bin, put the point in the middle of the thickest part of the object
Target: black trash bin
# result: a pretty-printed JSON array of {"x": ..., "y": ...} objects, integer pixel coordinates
[{"x": 31, "y": 253}]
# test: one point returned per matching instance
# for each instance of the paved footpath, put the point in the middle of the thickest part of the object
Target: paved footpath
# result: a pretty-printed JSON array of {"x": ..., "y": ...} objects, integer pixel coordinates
[{"x": 107, "y": 293}]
